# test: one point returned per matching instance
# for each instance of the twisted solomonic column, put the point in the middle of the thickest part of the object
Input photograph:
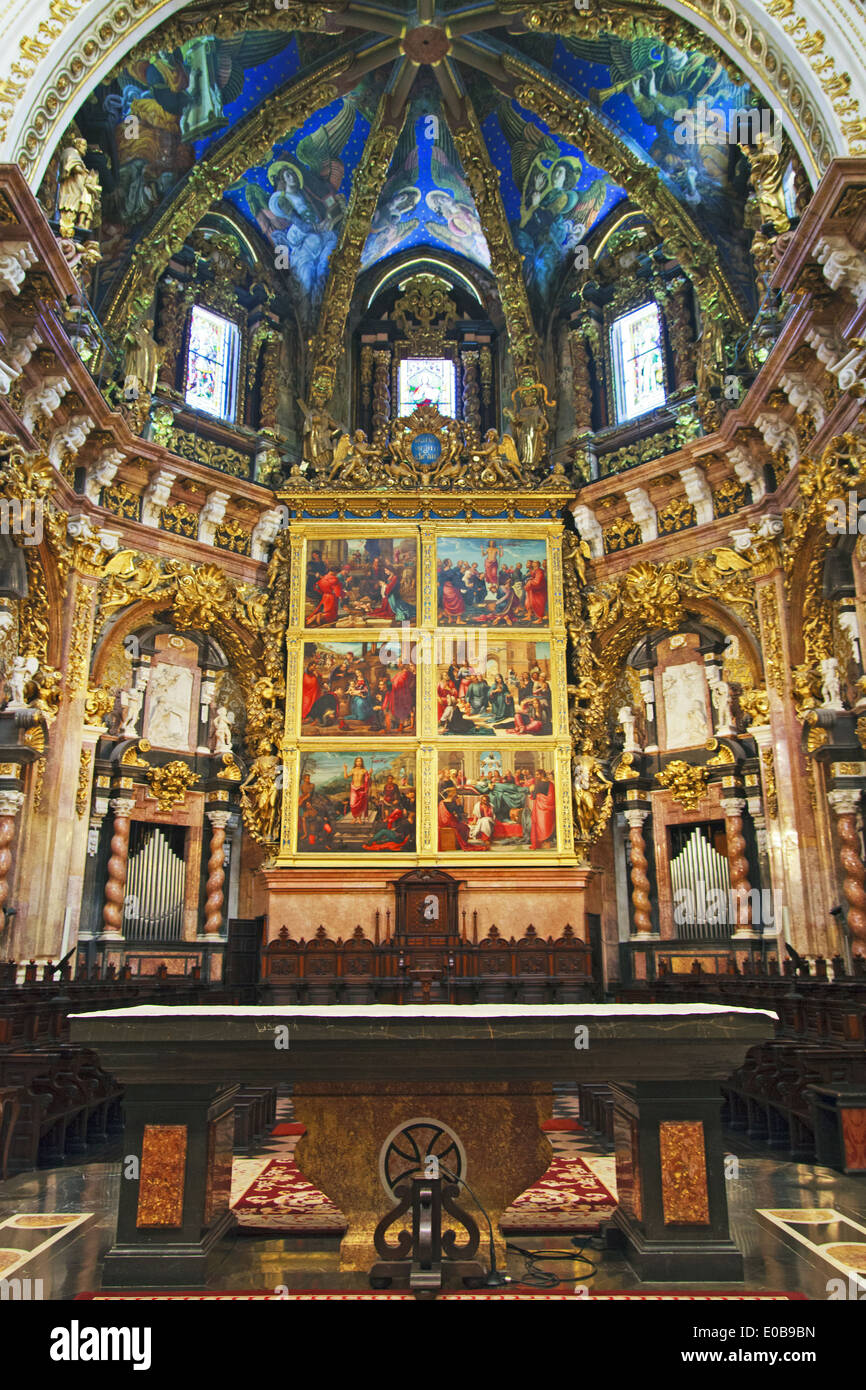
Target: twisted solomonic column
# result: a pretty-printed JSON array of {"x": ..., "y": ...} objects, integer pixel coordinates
[
  {"x": 845, "y": 803},
  {"x": 738, "y": 864},
  {"x": 216, "y": 874},
  {"x": 640, "y": 883},
  {"x": 115, "y": 886}
]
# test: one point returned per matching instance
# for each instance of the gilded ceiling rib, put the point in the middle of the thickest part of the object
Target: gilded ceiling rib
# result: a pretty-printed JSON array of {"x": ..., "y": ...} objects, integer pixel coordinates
[
  {"x": 505, "y": 262},
  {"x": 345, "y": 264},
  {"x": 234, "y": 17},
  {"x": 249, "y": 144}
]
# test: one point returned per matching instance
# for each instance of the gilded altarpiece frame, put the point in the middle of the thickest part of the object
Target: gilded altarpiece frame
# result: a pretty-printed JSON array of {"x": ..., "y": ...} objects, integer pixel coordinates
[{"x": 419, "y": 754}]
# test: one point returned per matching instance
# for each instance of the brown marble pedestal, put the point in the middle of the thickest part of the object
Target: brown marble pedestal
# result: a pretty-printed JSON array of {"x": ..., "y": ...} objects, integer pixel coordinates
[{"x": 497, "y": 1125}]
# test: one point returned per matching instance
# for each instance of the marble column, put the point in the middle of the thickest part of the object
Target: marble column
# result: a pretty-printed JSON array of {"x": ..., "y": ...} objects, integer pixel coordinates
[
  {"x": 738, "y": 865},
  {"x": 115, "y": 887},
  {"x": 216, "y": 874},
  {"x": 10, "y": 804},
  {"x": 845, "y": 804},
  {"x": 642, "y": 916}
]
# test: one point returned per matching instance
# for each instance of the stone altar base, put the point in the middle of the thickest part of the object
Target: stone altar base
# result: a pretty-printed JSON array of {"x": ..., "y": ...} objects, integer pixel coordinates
[
  {"x": 485, "y": 1071},
  {"x": 497, "y": 1123}
]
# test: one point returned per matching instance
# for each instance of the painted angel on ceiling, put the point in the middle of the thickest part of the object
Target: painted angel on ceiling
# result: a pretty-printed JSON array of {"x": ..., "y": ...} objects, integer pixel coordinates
[
  {"x": 555, "y": 212},
  {"x": 302, "y": 214}
]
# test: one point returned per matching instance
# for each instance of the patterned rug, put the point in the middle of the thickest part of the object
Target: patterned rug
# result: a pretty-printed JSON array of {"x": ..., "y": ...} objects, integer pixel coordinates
[
  {"x": 281, "y": 1200},
  {"x": 568, "y": 1200}
]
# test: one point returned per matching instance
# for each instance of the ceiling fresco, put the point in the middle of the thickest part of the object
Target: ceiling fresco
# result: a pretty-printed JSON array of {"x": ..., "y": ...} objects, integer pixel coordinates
[
  {"x": 298, "y": 200},
  {"x": 161, "y": 114},
  {"x": 425, "y": 200},
  {"x": 552, "y": 196},
  {"x": 641, "y": 84}
]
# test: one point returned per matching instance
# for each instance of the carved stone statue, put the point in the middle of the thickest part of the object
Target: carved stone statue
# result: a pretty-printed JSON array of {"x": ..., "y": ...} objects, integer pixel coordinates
[
  {"x": 131, "y": 701},
  {"x": 530, "y": 422},
  {"x": 79, "y": 196},
  {"x": 23, "y": 670},
  {"x": 721, "y": 694},
  {"x": 627, "y": 719},
  {"x": 222, "y": 730},
  {"x": 831, "y": 686},
  {"x": 320, "y": 432},
  {"x": 143, "y": 359}
]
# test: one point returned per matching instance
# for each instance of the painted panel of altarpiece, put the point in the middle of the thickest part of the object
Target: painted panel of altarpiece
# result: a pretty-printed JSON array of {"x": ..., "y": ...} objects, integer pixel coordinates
[
  {"x": 492, "y": 581},
  {"x": 361, "y": 581},
  {"x": 356, "y": 803},
  {"x": 357, "y": 687},
  {"x": 496, "y": 800}
]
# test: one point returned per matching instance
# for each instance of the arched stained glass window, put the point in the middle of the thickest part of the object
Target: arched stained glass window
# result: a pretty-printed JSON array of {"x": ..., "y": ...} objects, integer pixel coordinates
[
  {"x": 638, "y": 369},
  {"x": 429, "y": 379},
  {"x": 212, "y": 363}
]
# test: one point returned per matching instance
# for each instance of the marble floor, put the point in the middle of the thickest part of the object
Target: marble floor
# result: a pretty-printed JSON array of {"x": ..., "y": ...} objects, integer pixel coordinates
[{"x": 56, "y": 1225}]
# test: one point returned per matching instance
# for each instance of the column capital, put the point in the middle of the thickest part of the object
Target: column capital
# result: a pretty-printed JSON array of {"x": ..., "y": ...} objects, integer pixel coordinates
[
  {"x": 122, "y": 805},
  {"x": 219, "y": 819},
  {"x": 732, "y": 805},
  {"x": 845, "y": 800},
  {"x": 635, "y": 816},
  {"x": 11, "y": 802}
]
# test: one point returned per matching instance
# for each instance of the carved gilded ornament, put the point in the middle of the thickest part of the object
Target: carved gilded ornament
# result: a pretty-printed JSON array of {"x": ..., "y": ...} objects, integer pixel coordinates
[
  {"x": 170, "y": 784},
  {"x": 768, "y": 775},
  {"x": 82, "y": 791},
  {"x": 370, "y": 174},
  {"x": 686, "y": 783}
]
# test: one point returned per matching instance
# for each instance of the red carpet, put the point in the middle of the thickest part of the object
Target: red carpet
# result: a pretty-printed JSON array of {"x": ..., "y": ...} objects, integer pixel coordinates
[
  {"x": 569, "y": 1199},
  {"x": 281, "y": 1130},
  {"x": 565, "y": 1126},
  {"x": 347, "y": 1295},
  {"x": 282, "y": 1201}
]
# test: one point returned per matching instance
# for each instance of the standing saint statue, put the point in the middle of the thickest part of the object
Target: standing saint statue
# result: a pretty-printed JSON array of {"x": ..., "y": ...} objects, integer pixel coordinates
[
  {"x": 320, "y": 432},
  {"x": 530, "y": 423},
  {"x": 79, "y": 201}
]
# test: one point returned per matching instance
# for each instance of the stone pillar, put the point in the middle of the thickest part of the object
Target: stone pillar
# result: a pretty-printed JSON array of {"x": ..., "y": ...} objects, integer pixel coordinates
[
  {"x": 115, "y": 887},
  {"x": 10, "y": 805},
  {"x": 172, "y": 1213},
  {"x": 642, "y": 918},
  {"x": 216, "y": 876},
  {"x": 845, "y": 804},
  {"x": 673, "y": 1207},
  {"x": 738, "y": 865}
]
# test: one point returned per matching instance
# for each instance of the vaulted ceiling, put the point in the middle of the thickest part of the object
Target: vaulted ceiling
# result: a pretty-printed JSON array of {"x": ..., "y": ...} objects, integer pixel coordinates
[{"x": 275, "y": 110}]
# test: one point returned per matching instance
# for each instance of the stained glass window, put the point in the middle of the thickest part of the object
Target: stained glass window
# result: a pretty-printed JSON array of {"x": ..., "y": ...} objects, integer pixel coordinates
[
  {"x": 429, "y": 379},
  {"x": 636, "y": 350},
  {"x": 212, "y": 363}
]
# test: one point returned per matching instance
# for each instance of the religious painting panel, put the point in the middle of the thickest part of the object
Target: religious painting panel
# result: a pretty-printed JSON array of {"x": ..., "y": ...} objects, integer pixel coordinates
[
  {"x": 492, "y": 581},
  {"x": 496, "y": 687},
  {"x": 356, "y": 582},
  {"x": 496, "y": 801},
  {"x": 357, "y": 687},
  {"x": 356, "y": 802}
]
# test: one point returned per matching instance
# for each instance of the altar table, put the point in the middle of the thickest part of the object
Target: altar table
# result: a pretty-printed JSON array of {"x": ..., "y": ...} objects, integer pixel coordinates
[{"x": 485, "y": 1072}]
